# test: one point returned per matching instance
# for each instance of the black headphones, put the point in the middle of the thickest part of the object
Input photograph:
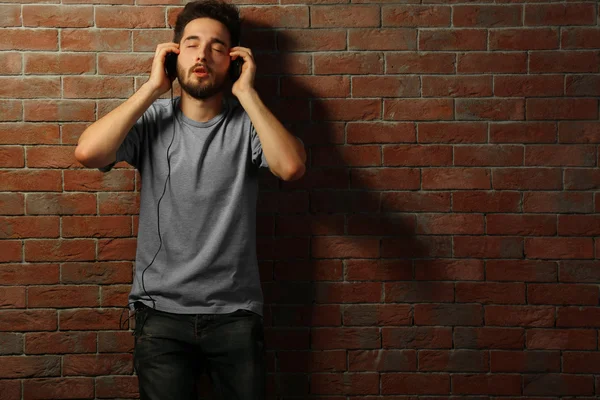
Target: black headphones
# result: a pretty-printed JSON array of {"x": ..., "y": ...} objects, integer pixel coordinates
[{"x": 235, "y": 68}]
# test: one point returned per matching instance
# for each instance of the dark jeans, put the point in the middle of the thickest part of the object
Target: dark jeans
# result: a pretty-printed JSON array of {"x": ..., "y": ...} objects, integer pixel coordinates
[{"x": 172, "y": 350}]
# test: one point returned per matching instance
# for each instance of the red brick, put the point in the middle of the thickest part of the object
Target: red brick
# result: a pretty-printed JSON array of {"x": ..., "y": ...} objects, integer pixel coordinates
[
  {"x": 453, "y": 361},
  {"x": 492, "y": 62},
  {"x": 487, "y": 16},
  {"x": 382, "y": 39},
  {"x": 528, "y": 86},
  {"x": 97, "y": 364},
  {"x": 452, "y": 39},
  {"x": 382, "y": 360},
  {"x": 22, "y": 180},
  {"x": 97, "y": 87},
  {"x": 414, "y": 155},
  {"x": 59, "y": 63},
  {"x": 28, "y": 320},
  {"x": 419, "y": 109},
  {"x": 58, "y": 388},
  {"x": 115, "y": 295},
  {"x": 385, "y": 86},
  {"x": 26, "y": 133},
  {"x": 28, "y": 274},
  {"x": 63, "y": 296},
  {"x": 488, "y": 247},
  {"x": 559, "y": 247},
  {"x": 129, "y": 17},
  {"x": 561, "y": 339},
  {"x": 560, "y": 14},
  {"x": 406, "y": 383},
  {"x": 12, "y": 203},
  {"x": 579, "y": 271},
  {"x": 312, "y": 40},
  {"x": 10, "y": 63},
  {"x": 117, "y": 249},
  {"x": 52, "y": 157},
  {"x": 417, "y": 337},
  {"x": 557, "y": 385},
  {"x": 29, "y": 227},
  {"x": 526, "y": 316},
  {"x": 488, "y": 155},
  {"x": 276, "y": 16},
  {"x": 418, "y": 247},
  {"x": 366, "y": 270},
  {"x": 11, "y": 110},
  {"x": 579, "y": 132},
  {"x": 94, "y": 40},
  {"x": 57, "y": 16},
  {"x": 409, "y": 63},
  {"x": 464, "y": 270},
  {"x": 369, "y": 315},
  {"x": 418, "y": 292},
  {"x": 89, "y": 319},
  {"x": 564, "y": 108},
  {"x": 115, "y": 342},
  {"x": 525, "y": 361},
  {"x": 385, "y": 178},
  {"x": 527, "y": 178},
  {"x": 524, "y": 39},
  {"x": 59, "y": 250},
  {"x": 490, "y": 293},
  {"x": 521, "y": 225},
  {"x": 583, "y": 85},
  {"x": 29, "y": 87},
  {"x": 341, "y": 16},
  {"x": 348, "y": 63},
  {"x": 415, "y": 16},
  {"x": 448, "y": 314},
  {"x": 345, "y": 338},
  {"x": 60, "y": 342},
  {"x": 580, "y": 38},
  {"x": 490, "y": 109},
  {"x": 350, "y": 247},
  {"x": 59, "y": 110},
  {"x": 105, "y": 226},
  {"x": 582, "y": 178},
  {"x": 442, "y": 224},
  {"x": 346, "y": 110},
  {"x": 96, "y": 273},
  {"x": 89, "y": 180},
  {"x": 456, "y": 178},
  {"x": 61, "y": 203},
  {"x": 564, "y": 61},
  {"x": 316, "y": 86},
  {"x": 10, "y": 389},
  {"x": 496, "y": 384},
  {"x": 117, "y": 386},
  {"x": 29, "y": 39},
  {"x": 10, "y": 15},
  {"x": 523, "y": 132},
  {"x": 489, "y": 338},
  {"x": 521, "y": 270},
  {"x": 457, "y": 86},
  {"x": 584, "y": 317},
  {"x": 579, "y": 362},
  {"x": 30, "y": 366},
  {"x": 561, "y": 155},
  {"x": 452, "y": 132},
  {"x": 480, "y": 201},
  {"x": 12, "y": 157}
]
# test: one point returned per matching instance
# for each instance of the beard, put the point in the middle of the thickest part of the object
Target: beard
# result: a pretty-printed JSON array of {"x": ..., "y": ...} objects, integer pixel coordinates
[{"x": 200, "y": 89}]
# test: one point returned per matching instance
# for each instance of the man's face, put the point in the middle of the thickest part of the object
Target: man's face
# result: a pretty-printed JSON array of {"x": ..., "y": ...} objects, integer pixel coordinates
[{"x": 203, "y": 61}]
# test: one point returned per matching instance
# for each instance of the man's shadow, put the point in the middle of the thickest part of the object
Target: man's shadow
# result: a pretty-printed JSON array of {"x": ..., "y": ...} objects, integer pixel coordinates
[{"x": 330, "y": 243}]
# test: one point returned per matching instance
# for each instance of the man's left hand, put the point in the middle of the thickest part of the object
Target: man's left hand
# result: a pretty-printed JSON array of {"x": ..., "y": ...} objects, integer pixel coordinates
[{"x": 245, "y": 83}]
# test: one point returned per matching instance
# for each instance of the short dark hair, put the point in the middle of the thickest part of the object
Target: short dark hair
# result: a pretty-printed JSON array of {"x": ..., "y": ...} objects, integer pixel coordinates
[{"x": 226, "y": 13}]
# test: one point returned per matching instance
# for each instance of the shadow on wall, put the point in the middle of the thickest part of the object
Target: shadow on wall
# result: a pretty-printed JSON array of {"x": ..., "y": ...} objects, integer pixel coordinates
[{"x": 336, "y": 236}]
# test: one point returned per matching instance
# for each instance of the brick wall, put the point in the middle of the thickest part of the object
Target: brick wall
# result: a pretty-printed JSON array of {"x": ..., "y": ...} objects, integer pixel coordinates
[{"x": 444, "y": 241}]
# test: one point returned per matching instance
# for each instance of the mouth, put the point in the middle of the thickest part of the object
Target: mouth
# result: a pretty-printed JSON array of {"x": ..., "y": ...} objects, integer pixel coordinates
[{"x": 200, "y": 71}]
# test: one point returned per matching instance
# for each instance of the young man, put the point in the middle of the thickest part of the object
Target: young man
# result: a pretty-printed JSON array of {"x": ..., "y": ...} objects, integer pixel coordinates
[{"x": 196, "y": 291}]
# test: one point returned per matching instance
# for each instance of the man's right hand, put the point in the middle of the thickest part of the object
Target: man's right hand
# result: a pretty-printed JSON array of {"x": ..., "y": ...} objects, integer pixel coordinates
[{"x": 159, "y": 82}]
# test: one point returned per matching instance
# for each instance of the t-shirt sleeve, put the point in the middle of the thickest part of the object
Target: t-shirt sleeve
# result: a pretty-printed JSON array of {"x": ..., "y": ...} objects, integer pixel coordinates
[
  {"x": 258, "y": 157},
  {"x": 130, "y": 149}
]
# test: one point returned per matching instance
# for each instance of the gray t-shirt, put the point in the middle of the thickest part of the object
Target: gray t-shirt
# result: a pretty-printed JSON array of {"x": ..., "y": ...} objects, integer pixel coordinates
[{"x": 207, "y": 262}]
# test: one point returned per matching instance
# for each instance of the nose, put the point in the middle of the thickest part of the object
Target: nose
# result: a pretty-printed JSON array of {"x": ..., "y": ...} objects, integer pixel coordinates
[{"x": 203, "y": 53}]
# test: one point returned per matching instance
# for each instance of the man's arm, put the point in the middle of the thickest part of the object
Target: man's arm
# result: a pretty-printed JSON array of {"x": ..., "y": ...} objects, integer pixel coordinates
[
  {"x": 285, "y": 154},
  {"x": 98, "y": 144}
]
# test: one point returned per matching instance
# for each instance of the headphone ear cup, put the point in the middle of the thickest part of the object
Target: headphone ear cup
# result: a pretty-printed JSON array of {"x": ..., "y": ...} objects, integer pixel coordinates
[
  {"x": 235, "y": 69},
  {"x": 171, "y": 65}
]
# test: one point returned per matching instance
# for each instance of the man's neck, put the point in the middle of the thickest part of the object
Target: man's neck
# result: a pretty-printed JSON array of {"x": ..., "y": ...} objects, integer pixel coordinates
[{"x": 201, "y": 110}]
